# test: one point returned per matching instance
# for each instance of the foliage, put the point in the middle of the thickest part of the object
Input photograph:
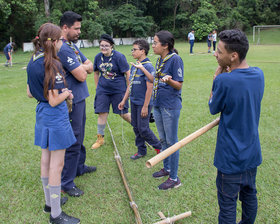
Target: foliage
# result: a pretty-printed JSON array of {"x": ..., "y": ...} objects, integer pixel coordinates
[{"x": 21, "y": 18}]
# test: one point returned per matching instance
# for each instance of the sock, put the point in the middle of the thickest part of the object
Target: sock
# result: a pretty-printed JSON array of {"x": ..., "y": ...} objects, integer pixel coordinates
[
  {"x": 55, "y": 200},
  {"x": 45, "y": 181},
  {"x": 101, "y": 128},
  {"x": 174, "y": 179}
]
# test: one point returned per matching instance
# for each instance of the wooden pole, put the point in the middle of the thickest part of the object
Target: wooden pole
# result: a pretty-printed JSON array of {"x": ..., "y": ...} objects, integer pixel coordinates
[
  {"x": 174, "y": 218},
  {"x": 133, "y": 205},
  {"x": 167, "y": 152}
]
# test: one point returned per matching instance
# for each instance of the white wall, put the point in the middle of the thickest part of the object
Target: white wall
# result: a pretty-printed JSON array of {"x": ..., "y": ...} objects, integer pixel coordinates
[{"x": 95, "y": 43}]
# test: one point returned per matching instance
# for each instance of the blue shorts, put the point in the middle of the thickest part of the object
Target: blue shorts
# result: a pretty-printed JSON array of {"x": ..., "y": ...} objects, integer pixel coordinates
[
  {"x": 53, "y": 129},
  {"x": 7, "y": 56},
  {"x": 102, "y": 103}
]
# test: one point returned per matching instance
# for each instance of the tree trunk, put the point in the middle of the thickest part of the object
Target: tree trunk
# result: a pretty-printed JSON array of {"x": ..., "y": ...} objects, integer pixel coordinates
[
  {"x": 174, "y": 15},
  {"x": 47, "y": 8}
]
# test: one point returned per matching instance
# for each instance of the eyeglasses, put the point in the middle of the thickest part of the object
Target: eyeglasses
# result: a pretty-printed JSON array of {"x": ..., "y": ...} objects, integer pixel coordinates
[
  {"x": 155, "y": 43},
  {"x": 135, "y": 49},
  {"x": 105, "y": 46}
]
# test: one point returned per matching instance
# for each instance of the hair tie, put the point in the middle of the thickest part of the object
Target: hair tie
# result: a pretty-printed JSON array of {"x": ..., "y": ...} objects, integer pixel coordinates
[
  {"x": 49, "y": 38},
  {"x": 37, "y": 38}
]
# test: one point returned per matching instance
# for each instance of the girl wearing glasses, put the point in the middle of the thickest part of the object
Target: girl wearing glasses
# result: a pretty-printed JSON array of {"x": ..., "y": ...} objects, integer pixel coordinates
[
  {"x": 111, "y": 76},
  {"x": 53, "y": 131},
  {"x": 167, "y": 103},
  {"x": 140, "y": 91}
]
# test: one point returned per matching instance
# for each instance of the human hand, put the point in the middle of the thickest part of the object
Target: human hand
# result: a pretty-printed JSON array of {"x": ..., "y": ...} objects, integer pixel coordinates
[
  {"x": 137, "y": 65},
  {"x": 166, "y": 78},
  {"x": 121, "y": 105},
  {"x": 144, "y": 111}
]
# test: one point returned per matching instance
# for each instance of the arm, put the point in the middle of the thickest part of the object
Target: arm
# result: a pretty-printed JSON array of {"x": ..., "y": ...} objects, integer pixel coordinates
[
  {"x": 127, "y": 74},
  {"x": 149, "y": 91},
  {"x": 144, "y": 70},
  {"x": 126, "y": 95},
  {"x": 218, "y": 71},
  {"x": 28, "y": 92},
  {"x": 81, "y": 72},
  {"x": 175, "y": 84},
  {"x": 56, "y": 98},
  {"x": 96, "y": 78}
]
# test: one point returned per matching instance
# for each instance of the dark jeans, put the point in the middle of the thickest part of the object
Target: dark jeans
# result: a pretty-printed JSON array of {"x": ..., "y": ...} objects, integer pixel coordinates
[
  {"x": 191, "y": 46},
  {"x": 142, "y": 130},
  {"x": 228, "y": 188},
  {"x": 75, "y": 155}
]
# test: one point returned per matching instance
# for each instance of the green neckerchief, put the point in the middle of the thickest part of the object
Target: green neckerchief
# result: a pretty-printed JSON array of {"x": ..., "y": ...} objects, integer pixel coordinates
[
  {"x": 158, "y": 72},
  {"x": 134, "y": 74},
  {"x": 70, "y": 44}
]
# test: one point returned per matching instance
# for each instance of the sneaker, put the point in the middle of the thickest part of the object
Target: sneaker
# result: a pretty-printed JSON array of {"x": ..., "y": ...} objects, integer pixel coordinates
[
  {"x": 152, "y": 119},
  {"x": 74, "y": 192},
  {"x": 157, "y": 151},
  {"x": 169, "y": 183},
  {"x": 90, "y": 169},
  {"x": 161, "y": 173},
  {"x": 100, "y": 141},
  {"x": 47, "y": 209},
  {"x": 63, "y": 218},
  {"x": 136, "y": 156}
]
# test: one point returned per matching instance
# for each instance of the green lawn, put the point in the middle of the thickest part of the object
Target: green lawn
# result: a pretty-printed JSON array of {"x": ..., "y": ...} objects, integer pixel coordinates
[{"x": 105, "y": 199}]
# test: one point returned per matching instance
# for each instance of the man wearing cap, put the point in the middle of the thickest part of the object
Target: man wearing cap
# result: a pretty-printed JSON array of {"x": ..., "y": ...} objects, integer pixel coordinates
[
  {"x": 77, "y": 68},
  {"x": 111, "y": 76}
]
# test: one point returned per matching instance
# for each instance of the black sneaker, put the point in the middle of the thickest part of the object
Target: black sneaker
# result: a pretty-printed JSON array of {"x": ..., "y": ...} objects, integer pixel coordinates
[
  {"x": 90, "y": 169},
  {"x": 63, "y": 218},
  {"x": 152, "y": 119},
  {"x": 161, "y": 173},
  {"x": 74, "y": 192},
  {"x": 47, "y": 209},
  {"x": 169, "y": 183},
  {"x": 136, "y": 156}
]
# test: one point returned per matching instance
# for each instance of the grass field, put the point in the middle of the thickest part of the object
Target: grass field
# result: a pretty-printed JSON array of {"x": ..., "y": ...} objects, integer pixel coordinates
[{"x": 105, "y": 199}]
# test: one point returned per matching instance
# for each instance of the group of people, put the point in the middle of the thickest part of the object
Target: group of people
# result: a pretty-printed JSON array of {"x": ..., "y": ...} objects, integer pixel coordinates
[
  {"x": 57, "y": 74},
  {"x": 211, "y": 38}
]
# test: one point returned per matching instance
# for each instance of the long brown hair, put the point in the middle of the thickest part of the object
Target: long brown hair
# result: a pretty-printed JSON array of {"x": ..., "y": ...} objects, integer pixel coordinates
[{"x": 48, "y": 33}]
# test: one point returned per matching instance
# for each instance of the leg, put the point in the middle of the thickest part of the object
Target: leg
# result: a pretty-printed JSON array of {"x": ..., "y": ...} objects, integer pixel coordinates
[
  {"x": 161, "y": 131},
  {"x": 56, "y": 165},
  {"x": 145, "y": 132},
  {"x": 171, "y": 122},
  {"x": 45, "y": 165},
  {"x": 72, "y": 155},
  {"x": 248, "y": 197},
  {"x": 139, "y": 141},
  {"x": 126, "y": 117},
  {"x": 228, "y": 187}
]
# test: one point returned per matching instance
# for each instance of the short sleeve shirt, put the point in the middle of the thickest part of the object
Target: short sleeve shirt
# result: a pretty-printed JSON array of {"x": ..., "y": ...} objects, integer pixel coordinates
[
  {"x": 70, "y": 61},
  {"x": 35, "y": 78},
  {"x": 8, "y": 48},
  {"x": 191, "y": 36},
  {"x": 167, "y": 96},
  {"x": 139, "y": 84},
  {"x": 111, "y": 70},
  {"x": 237, "y": 96}
]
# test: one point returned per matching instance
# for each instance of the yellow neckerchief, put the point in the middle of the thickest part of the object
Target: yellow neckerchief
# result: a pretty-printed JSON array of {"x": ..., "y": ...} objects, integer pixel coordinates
[
  {"x": 134, "y": 74},
  {"x": 158, "y": 71},
  {"x": 38, "y": 55},
  {"x": 71, "y": 45}
]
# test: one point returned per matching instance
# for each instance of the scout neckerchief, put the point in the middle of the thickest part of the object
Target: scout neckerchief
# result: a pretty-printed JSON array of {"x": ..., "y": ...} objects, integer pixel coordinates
[
  {"x": 158, "y": 72},
  {"x": 134, "y": 74},
  {"x": 38, "y": 54},
  {"x": 71, "y": 45},
  {"x": 106, "y": 68}
]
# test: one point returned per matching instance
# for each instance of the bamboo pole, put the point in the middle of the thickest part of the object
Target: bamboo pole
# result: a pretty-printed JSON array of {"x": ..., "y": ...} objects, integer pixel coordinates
[
  {"x": 167, "y": 152},
  {"x": 133, "y": 205},
  {"x": 174, "y": 218}
]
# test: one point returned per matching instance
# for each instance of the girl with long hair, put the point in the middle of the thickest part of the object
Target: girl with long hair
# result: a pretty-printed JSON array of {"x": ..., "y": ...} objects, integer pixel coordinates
[
  {"x": 167, "y": 103},
  {"x": 53, "y": 132}
]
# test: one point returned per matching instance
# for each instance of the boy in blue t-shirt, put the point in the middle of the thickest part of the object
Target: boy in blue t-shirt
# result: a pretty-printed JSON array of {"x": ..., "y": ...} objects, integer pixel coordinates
[
  {"x": 140, "y": 91},
  {"x": 237, "y": 96}
]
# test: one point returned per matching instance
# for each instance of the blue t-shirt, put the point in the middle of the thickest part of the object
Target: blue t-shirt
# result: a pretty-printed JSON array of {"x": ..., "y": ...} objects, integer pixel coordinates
[
  {"x": 111, "y": 70},
  {"x": 36, "y": 75},
  {"x": 139, "y": 85},
  {"x": 70, "y": 60},
  {"x": 237, "y": 95},
  {"x": 167, "y": 96},
  {"x": 8, "y": 48}
]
